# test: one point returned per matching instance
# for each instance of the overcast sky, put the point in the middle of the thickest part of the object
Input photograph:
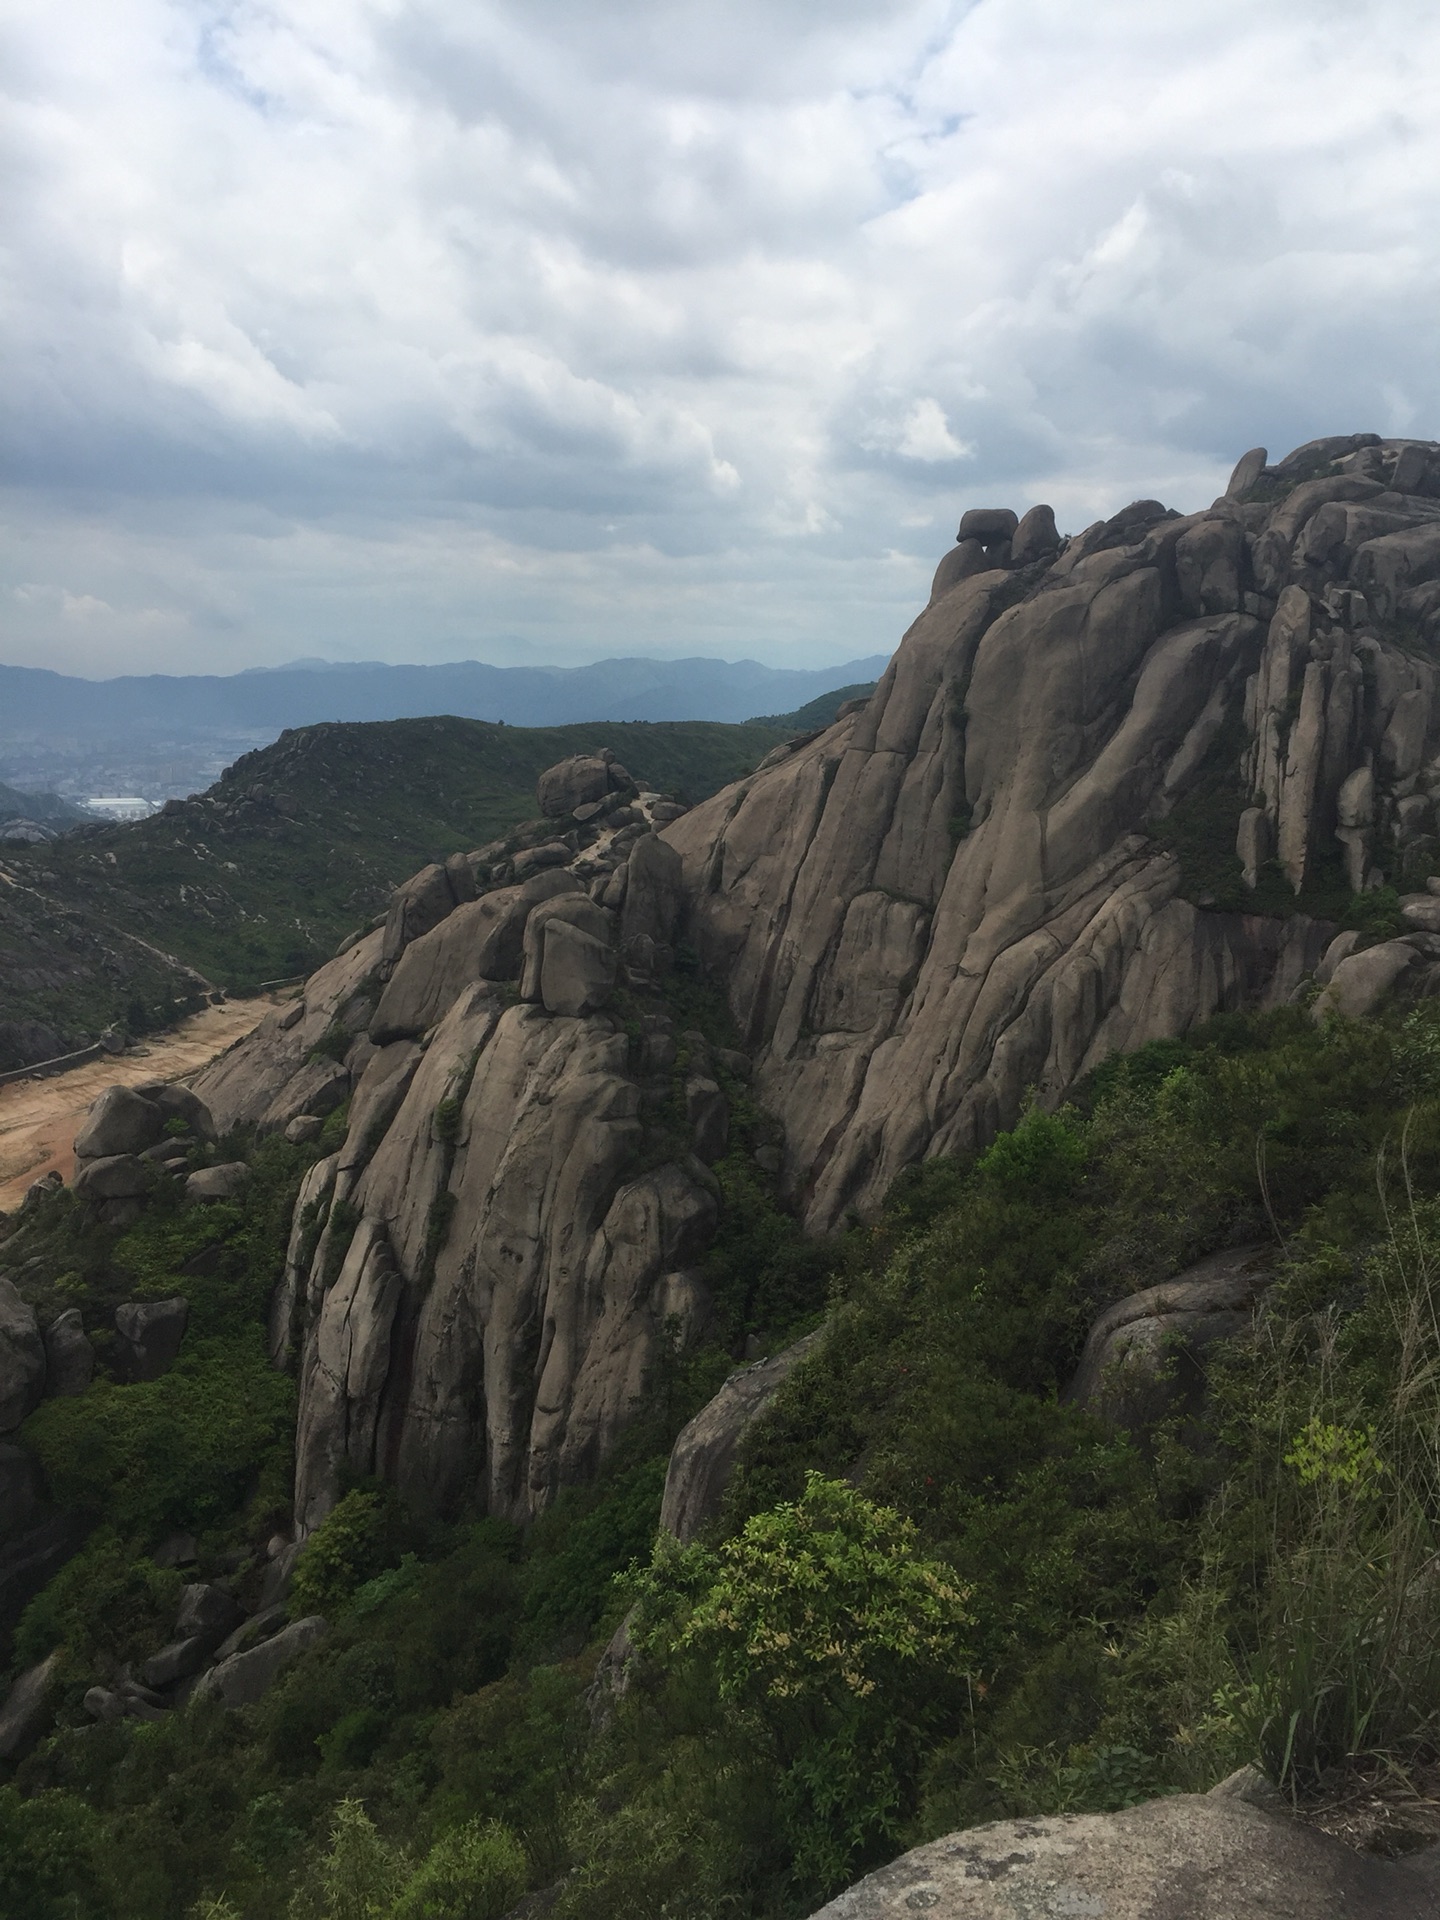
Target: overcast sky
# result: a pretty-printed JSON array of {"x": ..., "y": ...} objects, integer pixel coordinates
[{"x": 544, "y": 330}]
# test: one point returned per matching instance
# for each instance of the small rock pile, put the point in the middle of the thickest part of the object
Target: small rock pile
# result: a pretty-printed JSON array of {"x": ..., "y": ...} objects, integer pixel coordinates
[
  {"x": 216, "y": 1652},
  {"x": 136, "y": 1136}
]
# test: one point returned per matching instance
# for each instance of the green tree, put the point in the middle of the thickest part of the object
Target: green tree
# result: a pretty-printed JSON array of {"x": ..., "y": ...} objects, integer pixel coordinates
[
  {"x": 476, "y": 1872},
  {"x": 359, "y": 1877},
  {"x": 822, "y": 1628}
]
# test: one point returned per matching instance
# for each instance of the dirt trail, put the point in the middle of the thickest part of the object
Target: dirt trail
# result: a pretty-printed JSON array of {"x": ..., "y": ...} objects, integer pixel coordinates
[{"x": 40, "y": 1118}]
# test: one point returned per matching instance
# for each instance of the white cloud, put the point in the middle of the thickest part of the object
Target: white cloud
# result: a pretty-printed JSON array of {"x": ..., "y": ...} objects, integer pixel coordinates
[{"x": 409, "y": 327}]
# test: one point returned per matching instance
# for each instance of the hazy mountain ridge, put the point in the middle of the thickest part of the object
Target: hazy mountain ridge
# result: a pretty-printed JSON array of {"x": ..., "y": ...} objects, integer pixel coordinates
[
  {"x": 298, "y": 843},
  {"x": 37, "y": 700}
]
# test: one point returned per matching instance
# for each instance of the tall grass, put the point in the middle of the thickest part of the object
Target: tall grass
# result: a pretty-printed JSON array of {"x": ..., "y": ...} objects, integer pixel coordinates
[{"x": 1341, "y": 1650}]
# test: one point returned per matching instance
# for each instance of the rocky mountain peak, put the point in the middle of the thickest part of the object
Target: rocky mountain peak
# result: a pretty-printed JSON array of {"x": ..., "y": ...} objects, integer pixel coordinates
[{"x": 1108, "y": 786}]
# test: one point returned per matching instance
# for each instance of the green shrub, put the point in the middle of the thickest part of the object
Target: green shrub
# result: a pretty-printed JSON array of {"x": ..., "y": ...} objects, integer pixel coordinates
[
  {"x": 51, "y": 1855},
  {"x": 181, "y": 1451},
  {"x": 106, "y": 1601},
  {"x": 475, "y": 1872},
  {"x": 822, "y": 1628},
  {"x": 358, "y": 1539},
  {"x": 358, "y": 1877}
]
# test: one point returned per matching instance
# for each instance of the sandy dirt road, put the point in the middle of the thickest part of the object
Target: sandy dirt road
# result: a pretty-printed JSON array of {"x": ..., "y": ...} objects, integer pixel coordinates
[{"x": 40, "y": 1118}]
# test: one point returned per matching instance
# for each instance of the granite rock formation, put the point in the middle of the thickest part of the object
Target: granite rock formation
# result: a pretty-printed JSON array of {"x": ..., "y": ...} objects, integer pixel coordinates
[
  {"x": 478, "y": 1280},
  {"x": 1194, "y": 1857},
  {"x": 965, "y": 889},
  {"x": 961, "y": 892}
]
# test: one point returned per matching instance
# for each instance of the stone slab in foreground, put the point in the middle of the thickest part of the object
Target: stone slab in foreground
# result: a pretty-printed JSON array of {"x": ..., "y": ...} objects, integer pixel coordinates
[{"x": 1194, "y": 1857}]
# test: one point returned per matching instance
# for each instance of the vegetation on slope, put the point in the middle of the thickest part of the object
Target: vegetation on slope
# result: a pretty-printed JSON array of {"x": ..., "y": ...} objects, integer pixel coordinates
[
  {"x": 939, "y": 1593},
  {"x": 818, "y": 712},
  {"x": 295, "y": 846}
]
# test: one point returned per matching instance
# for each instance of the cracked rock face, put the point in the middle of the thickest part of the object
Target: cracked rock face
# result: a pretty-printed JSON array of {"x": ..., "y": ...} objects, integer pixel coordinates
[
  {"x": 956, "y": 894},
  {"x": 959, "y": 892},
  {"x": 478, "y": 1281}
]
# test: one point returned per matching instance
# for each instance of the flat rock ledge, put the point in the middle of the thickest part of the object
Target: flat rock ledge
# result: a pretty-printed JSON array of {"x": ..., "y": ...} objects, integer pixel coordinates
[{"x": 1193, "y": 1857}]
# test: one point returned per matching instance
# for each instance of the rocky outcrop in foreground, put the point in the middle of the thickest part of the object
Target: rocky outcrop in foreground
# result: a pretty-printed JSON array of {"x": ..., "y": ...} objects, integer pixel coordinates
[
  {"x": 988, "y": 877},
  {"x": 1194, "y": 1857}
]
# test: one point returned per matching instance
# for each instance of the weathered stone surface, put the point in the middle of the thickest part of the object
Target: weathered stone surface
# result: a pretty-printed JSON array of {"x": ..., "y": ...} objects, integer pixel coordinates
[
  {"x": 245, "y": 1678},
  {"x": 69, "y": 1356},
  {"x": 481, "y": 941},
  {"x": 241, "y": 1086},
  {"x": 121, "y": 1121},
  {"x": 207, "y": 1613},
  {"x": 1360, "y": 982},
  {"x": 1035, "y": 537},
  {"x": 347, "y": 1365},
  {"x": 576, "y": 782},
  {"x": 1143, "y": 1357},
  {"x": 958, "y": 565},
  {"x": 175, "y": 1662},
  {"x": 950, "y": 896},
  {"x": 580, "y": 781},
  {"x": 120, "y": 1176},
  {"x": 147, "y": 1337},
  {"x": 901, "y": 990},
  {"x": 1193, "y": 1857},
  {"x": 703, "y": 1457},
  {"x": 304, "y": 1128},
  {"x": 103, "y": 1705},
  {"x": 318, "y": 1087},
  {"x": 417, "y": 906},
  {"x": 570, "y": 960},
  {"x": 180, "y": 1103},
  {"x": 1248, "y": 469},
  {"x": 28, "y": 1706},
  {"x": 22, "y": 1358},
  {"x": 989, "y": 525},
  {"x": 224, "y": 1182},
  {"x": 709, "y": 1116}
]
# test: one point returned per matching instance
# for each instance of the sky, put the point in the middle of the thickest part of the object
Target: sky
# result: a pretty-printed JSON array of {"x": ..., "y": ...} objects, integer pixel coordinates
[{"x": 536, "y": 331}]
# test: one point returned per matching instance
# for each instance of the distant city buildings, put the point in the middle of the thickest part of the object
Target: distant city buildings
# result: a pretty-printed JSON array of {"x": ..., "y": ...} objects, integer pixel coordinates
[{"x": 121, "y": 807}]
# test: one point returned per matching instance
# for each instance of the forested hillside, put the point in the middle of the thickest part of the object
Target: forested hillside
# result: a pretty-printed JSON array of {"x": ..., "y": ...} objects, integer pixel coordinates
[
  {"x": 297, "y": 845},
  {"x": 1112, "y": 1613}
]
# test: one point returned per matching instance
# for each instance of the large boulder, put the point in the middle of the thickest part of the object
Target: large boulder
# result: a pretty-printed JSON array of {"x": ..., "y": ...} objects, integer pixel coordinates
[
  {"x": 1193, "y": 1857},
  {"x": 22, "y": 1358},
  {"x": 654, "y": 903},
  {"x": 569, "y": 963},
  {"x": 417, "y": 906},
  {"x": 148, "y": 1334},
  {"x": 120, "y": 1121},
  {"x": 69, "y": 1356},
  {"x": 483, "y": 940},
  {"x": 580, "y": 781},
  {"x": 120, "y": 1177},
  {"x": 225, "y": 1182},
  {"x": 207, "y": 1613},
  {"x": 703, "y": 1457},
  {"x": 28, "y": 1707},
  {"x": 245, "y": 1678},
  {"x": 1360, "y": 982},
  {"x": 1143, "y": 1358},
  {"x": 175, "y": 1662},
  {"x": 180, "y": 1103}
]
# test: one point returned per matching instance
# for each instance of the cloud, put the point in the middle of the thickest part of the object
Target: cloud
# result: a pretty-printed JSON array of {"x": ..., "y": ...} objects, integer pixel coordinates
[{"x": 416, "y": 327}]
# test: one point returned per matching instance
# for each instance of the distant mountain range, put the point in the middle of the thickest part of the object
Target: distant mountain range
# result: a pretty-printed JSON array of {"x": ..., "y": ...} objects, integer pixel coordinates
[{"x": 34, "y": 701}]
